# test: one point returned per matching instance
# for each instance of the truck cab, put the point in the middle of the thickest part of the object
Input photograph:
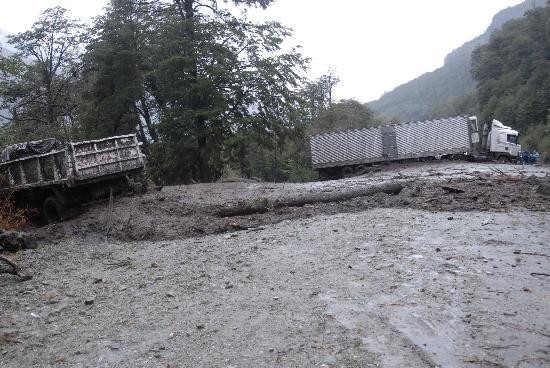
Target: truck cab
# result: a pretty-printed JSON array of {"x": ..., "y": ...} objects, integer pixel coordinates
[{"x": 503, "y": 141}]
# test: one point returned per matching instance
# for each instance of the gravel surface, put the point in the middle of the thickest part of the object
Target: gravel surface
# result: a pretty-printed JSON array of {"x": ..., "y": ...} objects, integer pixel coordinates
[{"x": 339, "y": 285}]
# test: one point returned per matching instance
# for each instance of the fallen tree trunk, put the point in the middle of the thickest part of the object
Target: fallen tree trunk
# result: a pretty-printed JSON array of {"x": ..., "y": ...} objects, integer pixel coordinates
[
  {"x": 14, "y": 269},
  {"x": 263, "y": 205}
]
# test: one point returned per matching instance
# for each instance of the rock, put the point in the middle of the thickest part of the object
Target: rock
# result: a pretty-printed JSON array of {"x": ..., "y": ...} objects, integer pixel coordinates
[
  {"x": 452, "y": 190},
  {"x": 13, "y": 240},
  {"x": 50, "y": 297},
  {"x": 200, "y": 327},
  {"x": 89, "y": 301}
]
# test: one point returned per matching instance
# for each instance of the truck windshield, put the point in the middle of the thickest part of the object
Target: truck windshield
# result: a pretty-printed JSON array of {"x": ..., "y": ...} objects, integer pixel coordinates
[{"x": 512, "y": 139}]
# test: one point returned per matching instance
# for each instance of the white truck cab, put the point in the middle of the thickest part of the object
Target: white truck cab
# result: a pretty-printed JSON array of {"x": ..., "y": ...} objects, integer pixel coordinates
[{"x": 503, "y": 141}]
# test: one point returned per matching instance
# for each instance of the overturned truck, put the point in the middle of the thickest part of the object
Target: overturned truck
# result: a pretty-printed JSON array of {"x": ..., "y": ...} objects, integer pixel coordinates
[
  {"x": 354, "y": 152},
  {"x": 54, "y": 177}
]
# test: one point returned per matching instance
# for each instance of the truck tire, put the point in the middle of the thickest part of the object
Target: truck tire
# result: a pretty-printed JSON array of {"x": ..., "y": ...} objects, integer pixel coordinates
[
  {"x": 503, "y": 159},
  {"x": 137, "y": 183},
  {"x": 325, "y": 175},
  {"x": 52, "y": 210},
  {"x": 361, "y": 170},
  {"x": 347, "y": 172}
]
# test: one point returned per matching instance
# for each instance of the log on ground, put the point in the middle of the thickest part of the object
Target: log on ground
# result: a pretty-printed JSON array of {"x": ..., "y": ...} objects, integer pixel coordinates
[
  {"x": 13, "y": 268},
  {"x": 263, "y": 205}
]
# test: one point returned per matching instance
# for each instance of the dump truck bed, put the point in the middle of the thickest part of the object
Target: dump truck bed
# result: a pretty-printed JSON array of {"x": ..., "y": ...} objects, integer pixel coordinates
[
  {"x": 391, "y": 142},
  {"x": 78, "y": 163}
]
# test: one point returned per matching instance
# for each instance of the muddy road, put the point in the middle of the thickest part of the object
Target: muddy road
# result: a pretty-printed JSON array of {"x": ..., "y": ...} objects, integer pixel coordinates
[
  {"x": 425, "y": 278},
  {"x": 187, "y": 211}
]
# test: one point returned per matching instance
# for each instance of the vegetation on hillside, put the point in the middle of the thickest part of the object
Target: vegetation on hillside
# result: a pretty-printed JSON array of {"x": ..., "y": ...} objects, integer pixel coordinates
[
  {"x": 513, "y": 71},
  {"x": 510, "y": 78},
  {"x": 513, "y": 76},
  {"x": 449, "y": 90}
]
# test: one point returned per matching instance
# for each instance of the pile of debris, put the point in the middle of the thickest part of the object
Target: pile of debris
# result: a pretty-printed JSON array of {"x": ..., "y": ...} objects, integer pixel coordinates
[{"x": 13, "y": 241}]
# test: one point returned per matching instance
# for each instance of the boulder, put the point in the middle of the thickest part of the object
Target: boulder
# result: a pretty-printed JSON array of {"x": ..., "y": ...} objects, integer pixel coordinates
[{"x": 13, "y": 241}]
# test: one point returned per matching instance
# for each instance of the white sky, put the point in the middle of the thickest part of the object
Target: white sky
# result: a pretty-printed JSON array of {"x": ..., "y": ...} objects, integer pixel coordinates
[{"x": 372, "y": 45}]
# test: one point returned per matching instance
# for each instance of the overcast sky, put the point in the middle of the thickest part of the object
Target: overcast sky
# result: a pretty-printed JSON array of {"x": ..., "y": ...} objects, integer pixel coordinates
[{"x": 372, "y": 45}]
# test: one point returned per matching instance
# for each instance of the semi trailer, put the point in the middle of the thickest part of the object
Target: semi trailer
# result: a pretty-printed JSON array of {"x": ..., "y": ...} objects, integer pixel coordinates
[
  {"x": 51, "y": 178},
  {"x": 354, "y": 152}
]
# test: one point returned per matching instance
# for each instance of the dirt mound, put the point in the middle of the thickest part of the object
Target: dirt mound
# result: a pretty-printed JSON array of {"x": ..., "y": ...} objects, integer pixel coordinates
[{"x": 186, "y": 211}]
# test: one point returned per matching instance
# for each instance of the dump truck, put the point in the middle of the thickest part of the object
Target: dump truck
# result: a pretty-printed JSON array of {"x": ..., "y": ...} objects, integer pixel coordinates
[
  {"x": 51, "y": 178},
  {"x": 355, "y": 152}
]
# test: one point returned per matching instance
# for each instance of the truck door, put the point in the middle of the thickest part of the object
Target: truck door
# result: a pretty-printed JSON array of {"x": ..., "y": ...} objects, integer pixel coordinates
[{"x": 389, "y": 142}]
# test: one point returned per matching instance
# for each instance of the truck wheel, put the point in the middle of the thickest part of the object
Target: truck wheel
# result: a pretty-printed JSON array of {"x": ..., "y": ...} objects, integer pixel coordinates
[
  {"x": 347, "y": 172},
  {"x": 137, "y": 184},
  {"x": 51, "y": 210},
  {"x": 324, "y": 175},
  {"x": 361, "y": 170},
  {"x": 503, "y": 159}
]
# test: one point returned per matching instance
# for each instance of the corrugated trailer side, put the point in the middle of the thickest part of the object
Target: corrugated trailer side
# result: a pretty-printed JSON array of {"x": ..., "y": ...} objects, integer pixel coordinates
[
  {"x": 430, "y": 138},
  {"x": 346, "y": 148},
  {"x": 391, "y": 142}
]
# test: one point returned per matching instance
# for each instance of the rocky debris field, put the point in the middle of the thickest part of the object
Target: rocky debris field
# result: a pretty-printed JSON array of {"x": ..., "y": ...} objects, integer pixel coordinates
[
  {"x": 186, "y": 211},
  {"x": 451, "y": 272}
]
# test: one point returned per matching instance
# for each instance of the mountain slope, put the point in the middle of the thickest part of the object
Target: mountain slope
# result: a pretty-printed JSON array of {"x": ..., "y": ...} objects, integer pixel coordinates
[{"x": 421, "y": 97}]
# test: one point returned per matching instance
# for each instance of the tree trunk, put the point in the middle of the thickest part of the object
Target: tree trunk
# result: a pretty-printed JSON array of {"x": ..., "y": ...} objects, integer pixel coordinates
[
  {"x": 205, "y": 174},
  {"x": 14, "y": 269},
  {"x": 263, "y": 205},
  {"x": 148, "y": 122}
]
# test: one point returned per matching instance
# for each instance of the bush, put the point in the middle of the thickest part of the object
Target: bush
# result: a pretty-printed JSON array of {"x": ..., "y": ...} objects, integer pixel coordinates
[
  {"x": 537, "y": 137},
  {"x": 11, "y": 218}
]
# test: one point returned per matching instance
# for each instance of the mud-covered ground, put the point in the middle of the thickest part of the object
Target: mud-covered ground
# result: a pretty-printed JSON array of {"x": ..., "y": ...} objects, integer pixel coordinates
[
  {"x": 425, "y": 278},
  {"x": 185, "y": 211}
]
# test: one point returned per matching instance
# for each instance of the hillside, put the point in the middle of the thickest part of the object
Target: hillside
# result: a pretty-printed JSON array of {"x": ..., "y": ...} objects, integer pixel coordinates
[{"x": 420, "y": 98}]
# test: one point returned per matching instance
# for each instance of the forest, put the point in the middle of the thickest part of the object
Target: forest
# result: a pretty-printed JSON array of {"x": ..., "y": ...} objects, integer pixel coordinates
[
  {"x": 212, "y": 94},
  {"x": 208, "y": 91},
  {"x": 513, "y": 77}
]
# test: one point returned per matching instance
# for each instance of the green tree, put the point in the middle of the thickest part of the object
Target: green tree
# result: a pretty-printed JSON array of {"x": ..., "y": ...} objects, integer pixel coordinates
[
  {"x": 38, "y": 88},
  {"x": 317, "y": 95},
  {"x": 218, "y": 76},
  {"x": 343, "y": 115},
  {"x": 513, "y": 71},
  {"x": 115, "y": 98}
]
